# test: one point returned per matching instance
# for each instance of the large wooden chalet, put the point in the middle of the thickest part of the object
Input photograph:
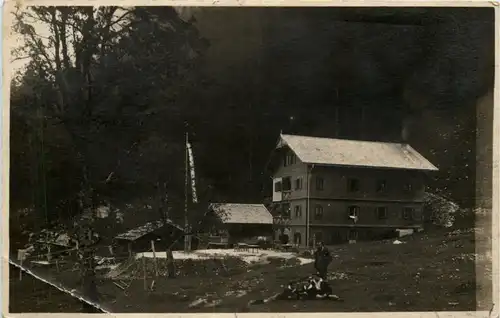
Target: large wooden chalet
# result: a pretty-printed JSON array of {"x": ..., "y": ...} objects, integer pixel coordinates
[{"x": 336, "y": 190}]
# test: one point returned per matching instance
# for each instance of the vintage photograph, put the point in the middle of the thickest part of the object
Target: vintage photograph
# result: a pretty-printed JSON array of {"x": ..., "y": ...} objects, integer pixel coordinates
[{"x": 251, "y": 159}]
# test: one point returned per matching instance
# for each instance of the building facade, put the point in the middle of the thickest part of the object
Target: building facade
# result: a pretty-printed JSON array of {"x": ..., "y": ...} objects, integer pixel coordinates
[{"x": 334, "y": 190}]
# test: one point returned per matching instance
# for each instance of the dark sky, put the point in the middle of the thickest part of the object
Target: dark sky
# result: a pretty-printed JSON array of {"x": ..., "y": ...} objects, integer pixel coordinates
[
  {"x": 379, "y": 70},
  {"x": 397, "y": 58},
  {"x": 338, "y": 72}
]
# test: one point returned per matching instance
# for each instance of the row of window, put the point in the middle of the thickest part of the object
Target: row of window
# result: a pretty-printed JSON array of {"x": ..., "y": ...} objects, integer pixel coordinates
[
  {"x": 353, "y": 185},
  {"x": 318, "y": 236},
  {"x": 408, "y": 213},
  {"x": 289, "y": 159}
]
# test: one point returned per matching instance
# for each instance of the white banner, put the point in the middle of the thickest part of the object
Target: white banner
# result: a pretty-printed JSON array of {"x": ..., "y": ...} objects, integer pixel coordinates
[{"x": 191, "y": 169}]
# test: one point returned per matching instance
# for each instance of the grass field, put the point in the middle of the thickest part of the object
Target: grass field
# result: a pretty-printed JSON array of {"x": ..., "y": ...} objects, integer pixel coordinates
[{"x": 429, "y": 272}]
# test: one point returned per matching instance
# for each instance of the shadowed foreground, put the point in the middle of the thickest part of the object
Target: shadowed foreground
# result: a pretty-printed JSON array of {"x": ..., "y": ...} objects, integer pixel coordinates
[{"x": 429, "y": 272}]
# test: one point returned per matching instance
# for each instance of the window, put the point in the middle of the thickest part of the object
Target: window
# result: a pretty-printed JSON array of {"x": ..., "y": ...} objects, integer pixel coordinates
[
  {"x": 381, "y": 186},
  {"x": 298, "y": 211},
  {"x": 381, "y": 212},
  {"x": 417, "y": 214},
  {"x": 408, "y": 187},
  {"x": 353, "y": 185},
  {"x": 320, "y": 183},
  {"x": 298, "y": 183},
  {"x": 289, "y": 159},
  {"x": 353, "y": 212},
  {"x": 277, "y": 186},
  {"x": 286, "y": 184},
  {"x": 318, "y": 212},
  {"x": 408, "y": 213},
  {"x": 297, "y": 238}
]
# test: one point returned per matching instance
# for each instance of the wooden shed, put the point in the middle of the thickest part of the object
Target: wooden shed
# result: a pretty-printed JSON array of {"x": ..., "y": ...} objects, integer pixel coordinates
[
  {"x": 239, "y": 222},
  {"x": 139, "y": 239}
]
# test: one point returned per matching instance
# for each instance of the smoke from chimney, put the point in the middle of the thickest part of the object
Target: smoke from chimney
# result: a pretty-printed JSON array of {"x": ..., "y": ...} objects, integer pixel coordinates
[{"x": 405, "y": 130}]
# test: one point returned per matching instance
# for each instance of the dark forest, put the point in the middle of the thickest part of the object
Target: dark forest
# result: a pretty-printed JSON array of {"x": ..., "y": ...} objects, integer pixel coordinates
[{"x": 101, "y": 112}]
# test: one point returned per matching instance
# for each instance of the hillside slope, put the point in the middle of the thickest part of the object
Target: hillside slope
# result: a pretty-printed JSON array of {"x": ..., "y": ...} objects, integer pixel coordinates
[{"x": 430, "y": 271}]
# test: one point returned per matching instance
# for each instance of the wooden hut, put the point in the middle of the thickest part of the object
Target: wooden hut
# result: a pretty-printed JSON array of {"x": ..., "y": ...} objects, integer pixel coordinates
[
  {"x": 139, "y": 239},
  {"x": 232, "y": 223}
]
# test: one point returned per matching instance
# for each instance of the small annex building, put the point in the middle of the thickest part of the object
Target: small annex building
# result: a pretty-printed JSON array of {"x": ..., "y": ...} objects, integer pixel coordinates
[{"x": 234, "y": 223}]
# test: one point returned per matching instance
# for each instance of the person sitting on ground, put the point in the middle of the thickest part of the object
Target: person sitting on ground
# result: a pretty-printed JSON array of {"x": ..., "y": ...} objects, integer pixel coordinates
[
  {"x": 290, "y": 292},
  {"x": 322, "y": 259},
  {"x": 323, "y": 289},
  {"x": 313, "y": 288}
]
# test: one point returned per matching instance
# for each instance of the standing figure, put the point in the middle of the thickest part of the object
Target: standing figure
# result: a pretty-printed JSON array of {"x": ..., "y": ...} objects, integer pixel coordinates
[{"x": 322, "y": 259}]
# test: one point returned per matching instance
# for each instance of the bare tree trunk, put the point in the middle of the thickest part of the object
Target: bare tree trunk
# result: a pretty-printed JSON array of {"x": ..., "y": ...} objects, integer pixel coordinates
[
  {"x": 63, "y": 38},
  {"x": 86, "y": 243},
  {"x": 163, "y": 210},
  {"x": 57, "y": 37}
]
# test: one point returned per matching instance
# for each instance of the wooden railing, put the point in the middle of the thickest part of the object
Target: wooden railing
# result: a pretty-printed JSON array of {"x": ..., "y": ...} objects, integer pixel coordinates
[{"x": 283, "y": 221}]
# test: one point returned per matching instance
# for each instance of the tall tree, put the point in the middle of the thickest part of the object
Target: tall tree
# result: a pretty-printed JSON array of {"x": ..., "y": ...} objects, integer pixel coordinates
[{"x": 102, "y": 75}]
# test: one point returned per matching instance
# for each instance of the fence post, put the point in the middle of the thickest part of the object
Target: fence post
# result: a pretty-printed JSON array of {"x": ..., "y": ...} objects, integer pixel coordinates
[
  {"x": 49, "y": 257},
  {"x": 21, "y": 254},
  {"x": 170, "y": 264},
  {"x": 154, "y": 257},
  {"x": 21, "y": 269},
  {"x": 144, "y": 269}
]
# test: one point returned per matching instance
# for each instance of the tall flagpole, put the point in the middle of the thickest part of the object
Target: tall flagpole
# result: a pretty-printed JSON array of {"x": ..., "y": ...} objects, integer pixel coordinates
[{"x": 186, "y": 238}]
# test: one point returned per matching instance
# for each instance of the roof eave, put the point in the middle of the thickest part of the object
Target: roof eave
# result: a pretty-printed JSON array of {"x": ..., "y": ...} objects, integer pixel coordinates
[
  {"x": 248, "y": 223},
  {"x": 364, "y": 166},
  {"x": 269, "y": 159},
  {"x": 283, "y": 143}
]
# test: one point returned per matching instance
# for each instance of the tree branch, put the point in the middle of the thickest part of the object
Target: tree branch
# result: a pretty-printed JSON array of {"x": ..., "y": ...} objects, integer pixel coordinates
[
  {"x": 56, "y": 38},
  {"x": 121, "y": 18},
  {"x": 63, "y": 36}
]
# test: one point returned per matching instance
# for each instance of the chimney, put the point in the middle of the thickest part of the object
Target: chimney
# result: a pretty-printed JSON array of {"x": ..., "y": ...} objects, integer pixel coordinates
[{"x": 405, "y": 129}]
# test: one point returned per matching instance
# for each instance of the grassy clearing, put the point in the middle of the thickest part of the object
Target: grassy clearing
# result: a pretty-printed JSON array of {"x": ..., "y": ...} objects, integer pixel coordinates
[
  {"x": 429, "y": 272},
  {"x": 434, "y": 272}
]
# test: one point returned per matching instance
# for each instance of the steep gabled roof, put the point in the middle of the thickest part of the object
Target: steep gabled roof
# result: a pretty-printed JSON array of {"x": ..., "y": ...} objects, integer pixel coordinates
[
  {"x": 240, "y": 213},
  {"x": 343, "y": 152}
]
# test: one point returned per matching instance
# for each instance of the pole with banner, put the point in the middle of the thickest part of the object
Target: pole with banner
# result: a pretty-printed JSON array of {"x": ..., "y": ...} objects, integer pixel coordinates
[
  {"x": 190, "y": 176},
  {"x": 186, "y": 182}
]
